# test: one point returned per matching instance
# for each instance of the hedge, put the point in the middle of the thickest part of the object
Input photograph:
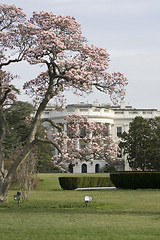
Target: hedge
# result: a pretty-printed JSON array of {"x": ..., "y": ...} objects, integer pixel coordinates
[
  {"x": 134, "y": 180},
  {"x": 71, "y": 183}
]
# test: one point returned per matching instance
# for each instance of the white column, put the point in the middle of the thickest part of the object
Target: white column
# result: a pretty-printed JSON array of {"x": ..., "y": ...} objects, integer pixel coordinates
[
  {"x": 65, "y": 130},
  {"x": 77, "y": 141},
  {"x": 109, "y": 129},
  {"x": 56, "y": 150},
  {"x": 65, "y": 127}
]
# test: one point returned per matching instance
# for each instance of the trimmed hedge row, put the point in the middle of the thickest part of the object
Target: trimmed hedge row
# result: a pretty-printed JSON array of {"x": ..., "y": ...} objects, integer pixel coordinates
[
  {"x": 134, "y": 180},
  {"x": 71, "y": 183}
]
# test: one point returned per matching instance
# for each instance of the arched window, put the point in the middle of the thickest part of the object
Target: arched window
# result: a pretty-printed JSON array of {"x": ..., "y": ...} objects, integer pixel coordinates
[
  {"x": 97, "y": 168},
  {"x": 84, "y": 168},
  {"x": 70, "y": 167}
]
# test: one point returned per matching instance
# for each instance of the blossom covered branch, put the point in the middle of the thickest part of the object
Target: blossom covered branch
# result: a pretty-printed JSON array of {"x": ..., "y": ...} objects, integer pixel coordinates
[
  {"x": 93, "y": 136},
  {"x": 71, "y": 62}
]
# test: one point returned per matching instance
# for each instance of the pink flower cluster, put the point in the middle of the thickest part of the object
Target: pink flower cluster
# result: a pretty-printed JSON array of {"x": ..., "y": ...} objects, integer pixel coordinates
[
  {"x": 58, "y": 43},
  {"x": 93, "y": 135},
  {"x": 10, "y": 17},
  {"x": 70, "y": 62},
  {"x": 6, "y": 87}
]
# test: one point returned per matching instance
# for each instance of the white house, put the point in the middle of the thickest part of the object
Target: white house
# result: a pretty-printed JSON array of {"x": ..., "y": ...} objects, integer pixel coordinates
[{"x": 116, "y": 117}]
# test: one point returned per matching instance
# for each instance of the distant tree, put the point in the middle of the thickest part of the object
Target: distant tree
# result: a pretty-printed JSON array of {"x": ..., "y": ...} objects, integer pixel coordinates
[
  {"x": 18, "y": 123},
  {"x": 44, "y": 153},
  {"x": 154, "y": 150},
  {"x": 71, "y": 64},
  {"x": 142, "y": 144}
]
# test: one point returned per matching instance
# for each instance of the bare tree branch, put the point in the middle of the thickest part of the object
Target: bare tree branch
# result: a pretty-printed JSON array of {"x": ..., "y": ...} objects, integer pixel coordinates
[
  {"x": 9, "y": 62},
  {"x": 52, "y": 123}
]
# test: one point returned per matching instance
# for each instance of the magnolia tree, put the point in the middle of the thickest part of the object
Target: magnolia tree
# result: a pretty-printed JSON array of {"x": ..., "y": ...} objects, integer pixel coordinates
[
  {"x": 71, "y": 64},
  {"x": 93, "y": 136}
]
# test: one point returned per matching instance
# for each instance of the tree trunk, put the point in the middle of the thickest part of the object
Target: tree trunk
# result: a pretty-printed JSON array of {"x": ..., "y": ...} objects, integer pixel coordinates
[
  {"x": 6, "y": 179},
  {"x": 2, "y": 133},
  {"x": 4, "y": 185}
]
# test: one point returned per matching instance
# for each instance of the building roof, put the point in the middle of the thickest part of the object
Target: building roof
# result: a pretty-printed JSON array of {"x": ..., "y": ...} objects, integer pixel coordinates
[{"x": 108, "y": 106}]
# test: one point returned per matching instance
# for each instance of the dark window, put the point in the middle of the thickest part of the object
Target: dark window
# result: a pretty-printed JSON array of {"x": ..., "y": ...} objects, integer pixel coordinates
[
  {"x": 97, "y": 170},
  {"x": 119, "y": 131},
  {"x": 82, "y": 146},
  {"x": 82, "y": 132},
  {"x": 70, "y": 167},
  {"x": 84, "y": 168}
]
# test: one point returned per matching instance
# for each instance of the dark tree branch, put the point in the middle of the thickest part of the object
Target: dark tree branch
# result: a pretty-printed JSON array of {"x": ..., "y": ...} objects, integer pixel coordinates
[
  {"x": 8, "y": 90},
  {"x": 10, "y": 61},
  {"x": 52, "y": 123}
]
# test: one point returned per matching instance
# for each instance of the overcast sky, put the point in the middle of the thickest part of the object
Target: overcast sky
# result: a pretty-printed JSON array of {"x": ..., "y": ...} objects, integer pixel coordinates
[{"x": 128, "y": 29}]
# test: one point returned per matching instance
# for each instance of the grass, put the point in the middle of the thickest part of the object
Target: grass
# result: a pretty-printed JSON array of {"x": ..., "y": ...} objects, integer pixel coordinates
[{"x": 53, "y": 213}]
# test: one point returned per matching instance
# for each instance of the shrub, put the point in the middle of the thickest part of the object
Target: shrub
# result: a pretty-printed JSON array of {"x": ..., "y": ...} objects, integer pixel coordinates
[
  {"x": 134, "y": 180},
  {"x": 71, "y": 183}
]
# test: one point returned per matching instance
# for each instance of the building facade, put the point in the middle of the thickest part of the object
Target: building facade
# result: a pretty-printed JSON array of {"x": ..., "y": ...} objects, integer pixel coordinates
[{"x": 117, "y": 119}]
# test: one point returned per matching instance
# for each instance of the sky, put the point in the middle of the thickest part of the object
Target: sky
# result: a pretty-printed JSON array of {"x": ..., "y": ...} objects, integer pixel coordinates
[{"x": 130, "y": 32}]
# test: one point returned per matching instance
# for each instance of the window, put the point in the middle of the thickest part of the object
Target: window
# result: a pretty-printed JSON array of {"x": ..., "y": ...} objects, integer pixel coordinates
[
  {"x": 97, "y": 168},
  {"x": 147, "y": 112},
  {"x": 83, "y": 109},
  {"x": 119, "y": 112},
  {"x": 133, "y": 112},
  {"x": 119, "y": 131},
  {"x": 84, "y": 168},
  {"x": 70, "y": 110},
  {"x": 96, "y": 110},
  {"x": 82, "y": 146},
  {"x": 70, "y": 168},
  {"x": 82, "y": 132}
]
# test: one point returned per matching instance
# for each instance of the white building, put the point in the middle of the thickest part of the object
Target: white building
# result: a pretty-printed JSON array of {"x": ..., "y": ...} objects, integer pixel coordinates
[{"x": 116, "y": 117}]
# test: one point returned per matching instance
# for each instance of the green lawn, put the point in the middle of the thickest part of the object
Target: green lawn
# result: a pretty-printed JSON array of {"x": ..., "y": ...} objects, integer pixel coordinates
[{"x": 53, "y": 213}]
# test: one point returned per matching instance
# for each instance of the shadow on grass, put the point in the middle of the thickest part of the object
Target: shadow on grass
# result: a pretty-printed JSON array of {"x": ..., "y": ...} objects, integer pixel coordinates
[{"x": 68, "y": 208}]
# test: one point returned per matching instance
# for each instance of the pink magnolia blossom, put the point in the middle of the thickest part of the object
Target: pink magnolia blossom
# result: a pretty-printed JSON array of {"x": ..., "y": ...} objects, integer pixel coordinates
[
  {"x": 56, "y": 42},
  {"x": 71, "y": 63},
  {"x": 99, "y": 146}
]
